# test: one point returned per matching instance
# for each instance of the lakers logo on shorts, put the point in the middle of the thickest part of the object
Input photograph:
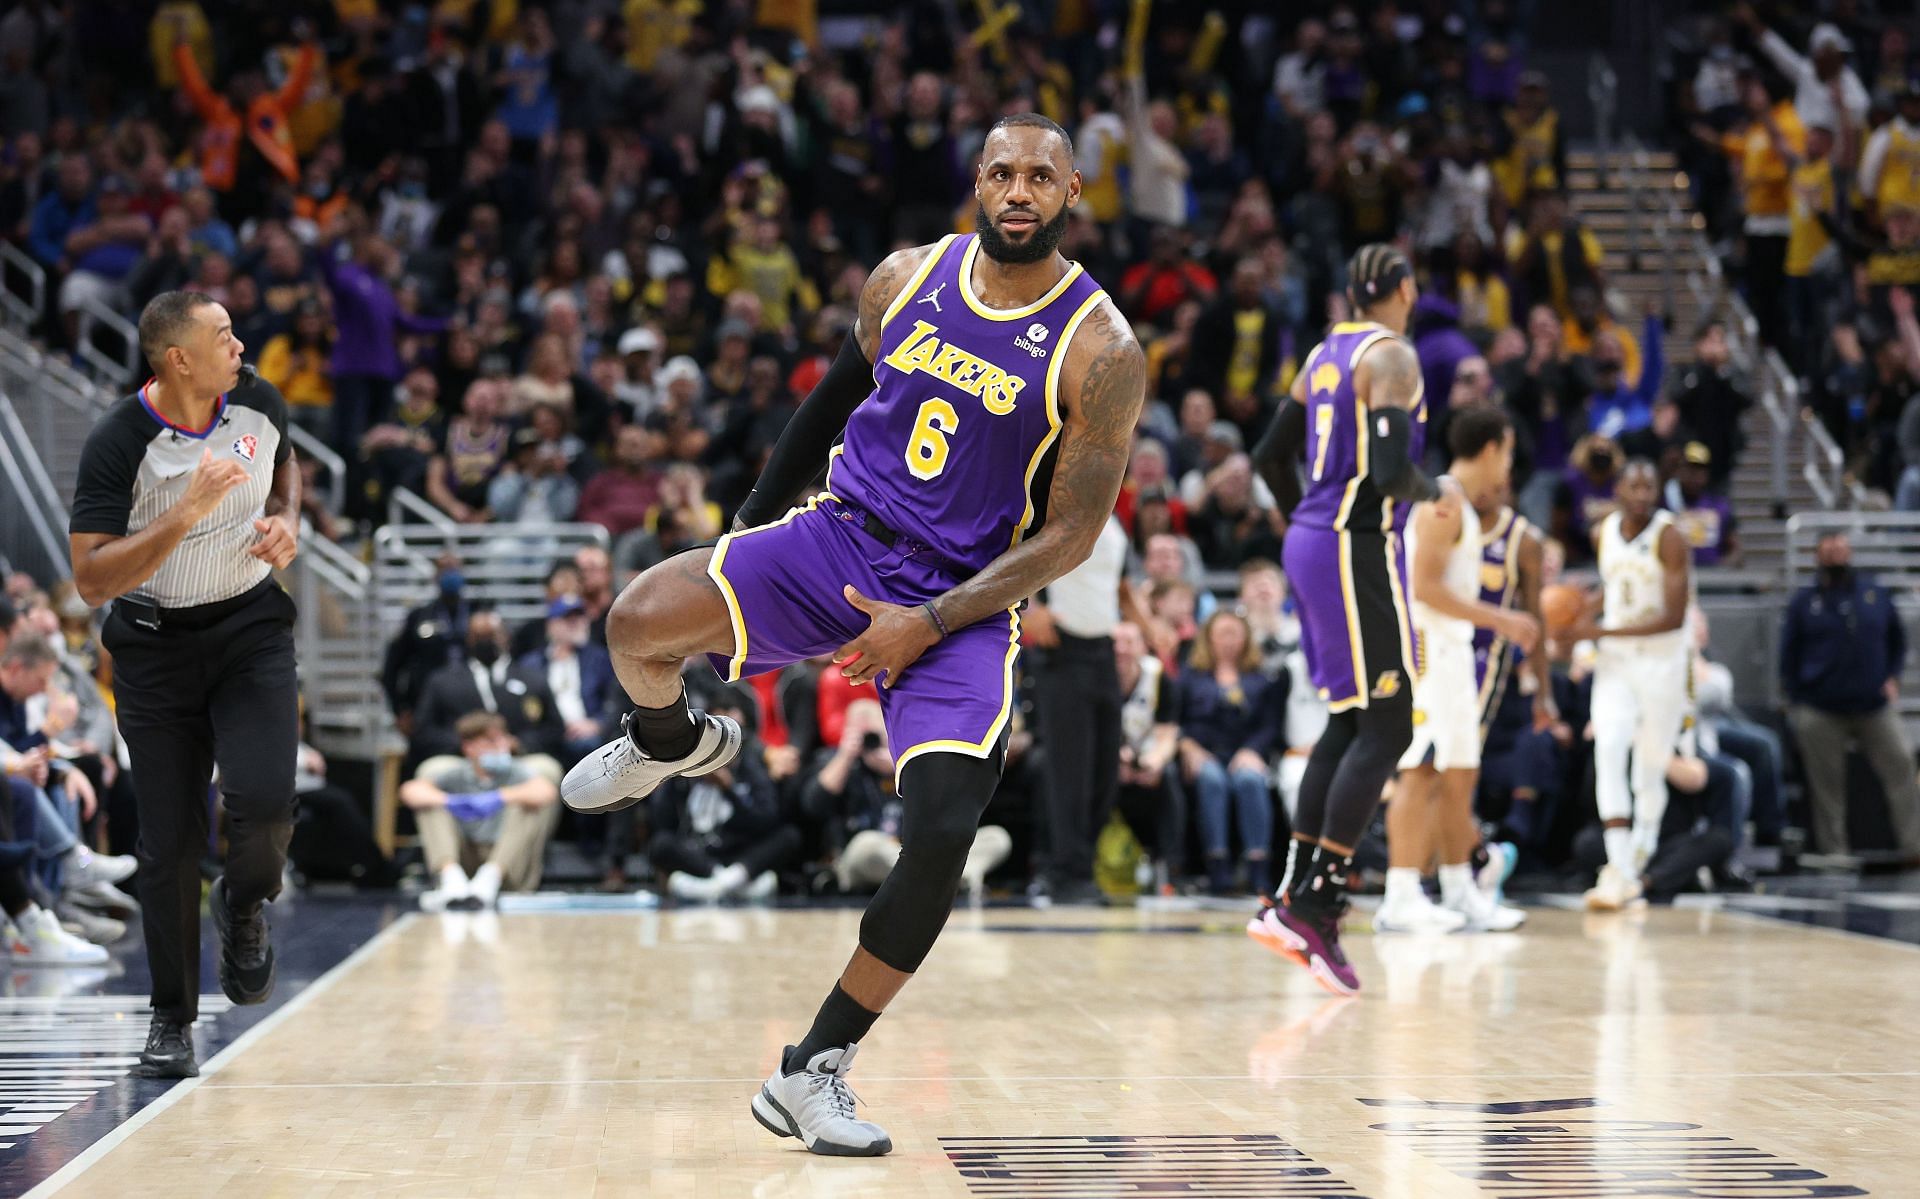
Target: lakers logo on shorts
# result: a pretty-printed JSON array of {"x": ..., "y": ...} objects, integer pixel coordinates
[
  {"x": 1419, "y": 716},
  {"x": 1387, "y": 685}
]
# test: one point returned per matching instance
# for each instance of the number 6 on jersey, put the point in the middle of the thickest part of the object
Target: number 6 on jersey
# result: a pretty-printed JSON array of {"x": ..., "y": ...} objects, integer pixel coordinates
[{"x": 927, "y": 448}]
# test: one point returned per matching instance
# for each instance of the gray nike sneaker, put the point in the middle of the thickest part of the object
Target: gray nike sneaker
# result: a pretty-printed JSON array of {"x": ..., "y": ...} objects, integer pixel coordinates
[
  {"x": 620, "y": 774},
  {"x": 816, "y": 1105}
]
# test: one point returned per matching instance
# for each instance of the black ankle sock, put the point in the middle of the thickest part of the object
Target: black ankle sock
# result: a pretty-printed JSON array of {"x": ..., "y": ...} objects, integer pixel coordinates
[
  {"x": 1324, "y": 882},
  {"x": 841, "y": 1021},
  {"x": 668, "y": 733}
]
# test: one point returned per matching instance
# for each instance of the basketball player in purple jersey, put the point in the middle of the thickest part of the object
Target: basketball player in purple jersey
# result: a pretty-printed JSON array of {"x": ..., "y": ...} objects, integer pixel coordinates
[
  {"x": 989, "y": 385},
  {"x": 1357, "y": 416}
]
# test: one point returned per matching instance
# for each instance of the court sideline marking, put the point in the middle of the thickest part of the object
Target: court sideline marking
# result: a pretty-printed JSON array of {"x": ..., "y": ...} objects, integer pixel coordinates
[{"x": 245, "y": 1041}]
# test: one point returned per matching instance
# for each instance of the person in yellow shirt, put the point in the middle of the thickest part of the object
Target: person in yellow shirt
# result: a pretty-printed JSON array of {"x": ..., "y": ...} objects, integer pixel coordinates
[
  {"x": 1580, "y": 333},
  {"x": 1890, "y": 165},
  {"x": 766, "y": 267},
  {"x": 1555, "y": 256},
  {"x": 1485, "y": 302},
  {"x": 1762, "y": 152},
  {"x": 1532, "y": 153},
  {"x": 1810, "y": 203},
  {"x": 299, "y": 363},
  {"x": 178, "y": 21}
]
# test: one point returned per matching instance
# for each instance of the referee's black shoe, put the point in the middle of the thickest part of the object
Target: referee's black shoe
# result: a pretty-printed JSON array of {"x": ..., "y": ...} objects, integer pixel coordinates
[
  {"x": 169, "y": 1051},
  {"x": 246, "y": 958}
]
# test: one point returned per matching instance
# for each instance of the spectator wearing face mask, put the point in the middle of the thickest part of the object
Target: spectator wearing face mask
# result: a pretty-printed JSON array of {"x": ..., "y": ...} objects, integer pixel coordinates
[
  {"x": 484, "y": 681},
  {"x": 579, "y": 674},
  {"x": 430, "y": 636},
  {"x": 489, "y": 807}
]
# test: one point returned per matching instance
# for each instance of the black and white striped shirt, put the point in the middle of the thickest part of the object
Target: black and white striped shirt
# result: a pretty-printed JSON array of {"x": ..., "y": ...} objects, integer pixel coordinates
[{"x": 136, "y": 465}]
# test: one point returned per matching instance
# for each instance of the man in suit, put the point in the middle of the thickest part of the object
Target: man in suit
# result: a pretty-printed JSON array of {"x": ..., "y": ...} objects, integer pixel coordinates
[
  {"x": 484, "y": 681},
  {"x": 579, "y": 675}
]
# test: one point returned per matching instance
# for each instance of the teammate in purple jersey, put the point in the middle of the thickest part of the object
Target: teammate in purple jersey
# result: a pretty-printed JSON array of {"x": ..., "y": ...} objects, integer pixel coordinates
[
  {"x": 1512, "y": 554},
  {"x": 1356, "y": 422},
  {"x": 987, "y": 400}
]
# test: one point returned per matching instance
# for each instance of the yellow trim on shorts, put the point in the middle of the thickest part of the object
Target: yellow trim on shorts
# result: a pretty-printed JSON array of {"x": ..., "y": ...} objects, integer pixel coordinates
[
  {"x": 914, "y": 281},
  {"x": 1011, "y": 314},
  {"x": 1354, "y": 643},
  {"x": 1408, "y": 656},
  {"x": 716, "y": 570},
  {"x": 1052, "y": 392},
  {"x": 982, "y": 748}
]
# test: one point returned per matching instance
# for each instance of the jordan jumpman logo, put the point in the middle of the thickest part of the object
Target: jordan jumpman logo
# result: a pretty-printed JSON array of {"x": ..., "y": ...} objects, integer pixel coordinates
[{"x": 933, "y": 298}]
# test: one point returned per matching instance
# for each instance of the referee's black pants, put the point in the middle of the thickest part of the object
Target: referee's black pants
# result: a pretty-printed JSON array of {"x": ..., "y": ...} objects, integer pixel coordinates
[
  {"x": 214, "y": 684},
  {"x": 1077, "y": 691}
]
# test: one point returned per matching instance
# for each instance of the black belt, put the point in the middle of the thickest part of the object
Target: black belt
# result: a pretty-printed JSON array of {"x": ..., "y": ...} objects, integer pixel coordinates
[
  {"x": 909, "y": 547},
  {"x": 152, "y": 617}
]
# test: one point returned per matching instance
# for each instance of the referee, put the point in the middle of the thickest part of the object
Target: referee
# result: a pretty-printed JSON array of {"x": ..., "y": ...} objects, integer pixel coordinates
[{"x": 187, "y": 499}]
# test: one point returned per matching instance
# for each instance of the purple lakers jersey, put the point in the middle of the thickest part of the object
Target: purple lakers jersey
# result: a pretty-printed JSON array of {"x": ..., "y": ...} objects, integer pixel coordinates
[
  {"x": 1339, "y": 495},
  {"x": 954, "y": 445},
  {"x": 1493, "y": 656}
]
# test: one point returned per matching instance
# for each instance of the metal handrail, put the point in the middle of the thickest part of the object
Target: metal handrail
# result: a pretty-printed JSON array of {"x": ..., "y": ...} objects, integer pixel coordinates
[
  {"x": 119, "y": 369},
  {"x": 26, "y": 310},
  {"x": 51, "y": 546},
  {"x": 342, "y": 568},
  {"x": 402, "y": 500},
  {"x": 323, "y": 453},
  {"x": 36, "y": 470}
]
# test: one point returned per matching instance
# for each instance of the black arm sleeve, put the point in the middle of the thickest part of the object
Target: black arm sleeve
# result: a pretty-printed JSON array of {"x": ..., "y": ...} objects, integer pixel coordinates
[
  {"x": 1279, "y": 453},
  {"x": 1392, "y": 468},
  {"x": 804, "y": 443}
]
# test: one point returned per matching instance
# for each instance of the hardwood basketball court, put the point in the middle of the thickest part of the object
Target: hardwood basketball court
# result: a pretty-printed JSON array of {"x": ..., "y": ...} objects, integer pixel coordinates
[{"x": 1070, "y": 1053}]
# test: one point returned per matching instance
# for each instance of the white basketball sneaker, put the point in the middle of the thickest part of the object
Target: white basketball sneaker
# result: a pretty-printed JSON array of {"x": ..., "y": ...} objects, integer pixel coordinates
[
  {"x": 620, "y": 774},
  {"x": 816, "y": 1105},
  {"x": 1614, "y": 891},
  {"x": 35, "y": 938},
  {"x": 1413, "y": 912},
  {"x": 1482, "y": 913}
]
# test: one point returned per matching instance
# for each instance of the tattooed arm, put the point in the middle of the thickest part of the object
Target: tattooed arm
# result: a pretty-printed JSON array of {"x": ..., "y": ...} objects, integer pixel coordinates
[
  {"x": 1102, "y": 388},
  {"x": 804, "y": 444}
]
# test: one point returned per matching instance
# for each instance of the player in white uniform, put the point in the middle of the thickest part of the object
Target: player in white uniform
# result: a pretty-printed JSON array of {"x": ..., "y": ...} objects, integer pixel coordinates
[
  {"x": 1640, "y": 677},
  {"x": 1433, "y": 800}
]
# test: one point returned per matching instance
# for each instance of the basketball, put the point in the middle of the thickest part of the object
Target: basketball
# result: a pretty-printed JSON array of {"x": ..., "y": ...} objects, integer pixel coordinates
[{"x": 1561, "y": 605}]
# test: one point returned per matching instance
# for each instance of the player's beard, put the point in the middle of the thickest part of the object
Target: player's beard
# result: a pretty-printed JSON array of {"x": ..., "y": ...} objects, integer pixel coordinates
[{"x": 1040, "y": 245}]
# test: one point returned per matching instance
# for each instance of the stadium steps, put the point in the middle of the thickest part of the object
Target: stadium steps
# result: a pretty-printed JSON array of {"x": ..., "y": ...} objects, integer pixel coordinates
[{"x": 1602, "y": 193}]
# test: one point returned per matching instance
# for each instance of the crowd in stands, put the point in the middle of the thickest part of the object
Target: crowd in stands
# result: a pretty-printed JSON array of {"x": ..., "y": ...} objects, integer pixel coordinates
[{"x": 580, "y": 262}]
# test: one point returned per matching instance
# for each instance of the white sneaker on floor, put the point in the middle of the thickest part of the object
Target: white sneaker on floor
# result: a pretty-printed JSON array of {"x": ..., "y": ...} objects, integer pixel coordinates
[
  {"x": 35, "y": 938},
  {"x": 1613, "y": 891},
  {"x": 1482, "y": 913},
  {"x": 693, "y": 888},
  {"x": 816, "y": 1105},
  {"x": 85, "y": 867},
  {"x": 454, "y": 889},
  {"x": 89, "y": 926},
  {"x": 619, "y": 774},
  {"x": 104, "y": 899},
  {"x": 1413, "y": 912},
  {"x": 763, "y": 886},
  {"x": 485, "y": 886}
]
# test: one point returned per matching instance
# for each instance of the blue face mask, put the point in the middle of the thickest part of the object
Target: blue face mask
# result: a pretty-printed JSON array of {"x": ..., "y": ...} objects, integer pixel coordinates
[
  {"x": 451, "y": 582},
  {"x": 498, "y": 761}
]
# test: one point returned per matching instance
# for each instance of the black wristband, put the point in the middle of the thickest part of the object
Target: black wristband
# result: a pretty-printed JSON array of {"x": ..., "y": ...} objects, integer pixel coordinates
[{"x": 934, "y": 614}]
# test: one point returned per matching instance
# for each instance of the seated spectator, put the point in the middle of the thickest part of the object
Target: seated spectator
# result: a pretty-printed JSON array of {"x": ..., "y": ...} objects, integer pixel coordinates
[
  {"x": 579, "y": 676},
  {"x": 31, "y": 933},
  {"x": 1189, "y": 450},
  {"x": 723, "y": 834},
  {"x": 332, "y": 839},
  {"x": 851, "y": 794},
  {"x": 1264, "y": 606},
  {"x": 1229, "y": 721},
  {"x": 562, "y": 582},
  {"x": 1556, "y": 257},
  {"x": 1236, "y": 342},
  {"x": 300, "y": 364},
  {"x": 1705, "y": 517},
  {"x": 1304, "y": 719},
  {"x": 620, "y": 496},
  {"x": 491, "y": 809},
  {"x": 98, "y": 254},
  {"x": 476, "y": 444},
  {"x": 397, "y": 452},
  {"x": 1151, "y": 799},
  {"x": 1584, "y": 496},
  {"x": 1707, "y": 801},
  {"x": 1151, "y": 290},
  {"x": 483, "y": 680},
  {"x": 1149, "y": 474},
  {"x": 1231, "y": 526},
  {"x": 1725, "y": 729},
  {"x": 596, "y": 586},
  {"x": 532, "y": 486}
]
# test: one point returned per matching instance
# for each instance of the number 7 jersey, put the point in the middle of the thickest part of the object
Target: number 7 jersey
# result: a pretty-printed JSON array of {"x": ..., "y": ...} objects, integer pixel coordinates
[
  {"x": 1339, "y": 494},
  {"x": 954, "y": 448}
]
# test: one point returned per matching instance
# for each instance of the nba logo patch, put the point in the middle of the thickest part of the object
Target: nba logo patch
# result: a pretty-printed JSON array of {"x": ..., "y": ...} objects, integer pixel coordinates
[{"x": 245, "y": 446}]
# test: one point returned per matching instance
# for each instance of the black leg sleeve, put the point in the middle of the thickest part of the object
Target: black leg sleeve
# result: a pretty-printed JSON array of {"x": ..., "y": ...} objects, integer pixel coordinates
[{"x": 943, "y": 795}]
